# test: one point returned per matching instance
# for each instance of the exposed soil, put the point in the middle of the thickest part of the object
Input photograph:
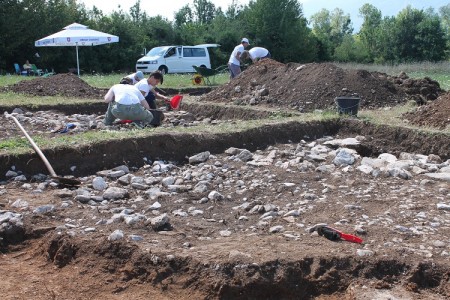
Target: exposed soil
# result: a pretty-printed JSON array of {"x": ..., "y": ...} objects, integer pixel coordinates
[
  {"x": 70, "y": 85},
  {"x": 316, "y": 85},
  {"x": 218, "y": 249},
  {"x": 434, "y": 114},
  {"x": 65, "y": 84},
  {"x": 272, "y": 84}
]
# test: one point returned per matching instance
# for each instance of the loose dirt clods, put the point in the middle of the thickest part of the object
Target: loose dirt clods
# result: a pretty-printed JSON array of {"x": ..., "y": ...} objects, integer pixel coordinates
[
  {"x": 316, "y": 85},
  {"x": 65, "y": 84}
]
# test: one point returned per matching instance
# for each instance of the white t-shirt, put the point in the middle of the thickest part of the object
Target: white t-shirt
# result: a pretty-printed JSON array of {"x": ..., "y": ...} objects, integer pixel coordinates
[
  {"x": 144, "y": 86},
  {"x": 257, "y": 52},
  {"x": 239, "y": 48},
  {"x": 124, "y": 94}
]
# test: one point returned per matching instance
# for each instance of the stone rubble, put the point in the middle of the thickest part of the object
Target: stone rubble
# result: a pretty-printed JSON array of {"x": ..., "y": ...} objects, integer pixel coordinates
[
  {"x": 47, "y": 122},
  {"x": 280, "y": 190}
]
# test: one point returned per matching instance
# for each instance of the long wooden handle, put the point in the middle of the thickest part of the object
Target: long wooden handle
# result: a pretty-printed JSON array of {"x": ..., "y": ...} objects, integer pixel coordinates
[{"x": 35, "y": 147}]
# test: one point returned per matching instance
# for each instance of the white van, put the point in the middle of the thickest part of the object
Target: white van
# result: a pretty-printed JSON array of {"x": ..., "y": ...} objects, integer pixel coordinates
[{"x": 175, "y": 59}]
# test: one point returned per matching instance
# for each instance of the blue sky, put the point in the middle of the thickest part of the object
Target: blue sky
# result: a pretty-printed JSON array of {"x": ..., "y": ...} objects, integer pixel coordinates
[{"x": 310, "y": 7}]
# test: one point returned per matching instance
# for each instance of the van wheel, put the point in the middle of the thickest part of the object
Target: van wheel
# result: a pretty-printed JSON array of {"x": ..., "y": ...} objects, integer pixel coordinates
[{"x": 163, "y": 69}]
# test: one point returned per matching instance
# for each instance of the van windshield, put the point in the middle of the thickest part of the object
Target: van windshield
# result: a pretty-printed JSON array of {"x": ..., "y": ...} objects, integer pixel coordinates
[{"x": 157, "y": 51}]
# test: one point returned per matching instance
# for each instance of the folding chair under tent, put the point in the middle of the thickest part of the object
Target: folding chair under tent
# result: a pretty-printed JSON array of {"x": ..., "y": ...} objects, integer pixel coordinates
[{"x": 77, "y": 35}]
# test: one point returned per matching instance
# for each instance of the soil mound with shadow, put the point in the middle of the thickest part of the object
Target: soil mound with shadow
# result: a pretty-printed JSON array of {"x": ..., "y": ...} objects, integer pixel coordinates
[
  {"x": 434, "y": 114},
  {"x": 66, "y": 84},
  {"x": 315, "y": 86}
]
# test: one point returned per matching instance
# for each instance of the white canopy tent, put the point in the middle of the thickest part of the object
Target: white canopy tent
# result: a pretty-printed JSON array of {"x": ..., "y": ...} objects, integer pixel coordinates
[{"x": 77, "y": 35}]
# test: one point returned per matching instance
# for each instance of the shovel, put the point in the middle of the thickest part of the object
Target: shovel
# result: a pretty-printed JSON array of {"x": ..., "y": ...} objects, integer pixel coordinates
[{"x": 61, "y": 180}]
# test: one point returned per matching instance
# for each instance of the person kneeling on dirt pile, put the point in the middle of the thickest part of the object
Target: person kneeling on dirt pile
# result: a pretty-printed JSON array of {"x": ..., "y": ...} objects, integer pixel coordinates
[{"x": 126, "y": 102}]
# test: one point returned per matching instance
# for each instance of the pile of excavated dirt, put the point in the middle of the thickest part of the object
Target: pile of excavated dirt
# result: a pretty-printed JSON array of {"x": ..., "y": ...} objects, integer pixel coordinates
[
  {"x": 434, "y": 114},
  {"x": 296, "y": 86},
  {"x": 67, "y": 84},
  {"x": 70, "y": 85},
  {"x": 268, "y": 82},
  {"x": 316, "y": 85}
]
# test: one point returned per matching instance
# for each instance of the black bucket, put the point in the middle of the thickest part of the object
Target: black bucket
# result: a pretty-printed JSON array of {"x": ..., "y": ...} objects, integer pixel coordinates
[
  {"x": 347, "y": 105},
  {"x": 158, "y": 117}
]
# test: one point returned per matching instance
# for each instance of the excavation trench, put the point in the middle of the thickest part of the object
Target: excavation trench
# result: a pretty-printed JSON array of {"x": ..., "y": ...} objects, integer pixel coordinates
[
  {"x": 295, "y": 277},
  {"x": 177, "y": 147},
  {"x": 242, "y": 266}
]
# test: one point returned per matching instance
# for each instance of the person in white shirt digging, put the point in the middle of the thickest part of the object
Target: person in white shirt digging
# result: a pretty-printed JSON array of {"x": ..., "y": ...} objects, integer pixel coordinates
[
  {"x": 126, "y": 102},
  {"x": 255, "y": 54}
]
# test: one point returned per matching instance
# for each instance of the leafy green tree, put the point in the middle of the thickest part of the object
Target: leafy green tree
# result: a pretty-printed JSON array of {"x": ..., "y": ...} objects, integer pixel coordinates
[
  {"x": 430, "y": 38},
  {"x": 351, "y": 49},
  {"x": 183, "y": 16},
  {"x": 193, "y": 25},
  {"x": 321, "y": 28},
  {"x": 279, "y": 26},
  {"x": 341, "y": 26},
  {"x": 229, "y": 27},
  {"x": 204, "y": 11},
  {"x": 444, "y": 13},
  {"x": 418, "y": 36},
  {"x": 56, "y": 15},
  {"x": 330, "y": 29},
  {"x": 370, "y": 29},
  {"x": 406, "y": 32},
  {"x": 19, "y": 30},
  {"x": 117, "y": 56},
  {"x": 136, "y": 13},
  {"x": 233, "y": 10}
]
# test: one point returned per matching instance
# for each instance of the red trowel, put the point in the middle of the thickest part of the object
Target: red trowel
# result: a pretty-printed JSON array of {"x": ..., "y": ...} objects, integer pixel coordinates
[{"x": 335, "y": 235}]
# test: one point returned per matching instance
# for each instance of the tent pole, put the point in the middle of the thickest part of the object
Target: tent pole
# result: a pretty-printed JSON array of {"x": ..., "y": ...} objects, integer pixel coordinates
[{"x": 78, "y": 63}]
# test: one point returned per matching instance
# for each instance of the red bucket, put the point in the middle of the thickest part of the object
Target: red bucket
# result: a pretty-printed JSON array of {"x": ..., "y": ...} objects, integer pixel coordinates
[{"x": 175, "y": 101}]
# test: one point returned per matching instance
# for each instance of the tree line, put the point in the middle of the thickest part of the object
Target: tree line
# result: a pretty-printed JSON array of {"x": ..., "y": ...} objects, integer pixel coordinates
[{"x": 279, "y": 25}]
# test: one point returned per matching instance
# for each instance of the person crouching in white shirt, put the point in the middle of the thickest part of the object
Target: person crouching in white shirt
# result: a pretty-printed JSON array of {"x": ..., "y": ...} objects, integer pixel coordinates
[
  {"x": 255, "y": 54},
  {"x": 126, "y": 102}
]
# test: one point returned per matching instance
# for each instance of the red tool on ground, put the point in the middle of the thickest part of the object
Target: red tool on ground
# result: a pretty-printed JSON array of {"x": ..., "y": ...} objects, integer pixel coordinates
[{"x": 334, "y": 235}]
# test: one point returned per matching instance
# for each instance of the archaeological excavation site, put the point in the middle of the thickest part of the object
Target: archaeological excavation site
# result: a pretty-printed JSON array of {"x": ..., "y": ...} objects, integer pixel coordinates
[{"x": 261, "y": 188}]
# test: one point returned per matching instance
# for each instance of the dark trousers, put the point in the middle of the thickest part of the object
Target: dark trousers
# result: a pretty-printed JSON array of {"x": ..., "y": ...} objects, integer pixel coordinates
[
  {"x": 267, "y": 56},
  {"x": 151, "y": 100}
]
